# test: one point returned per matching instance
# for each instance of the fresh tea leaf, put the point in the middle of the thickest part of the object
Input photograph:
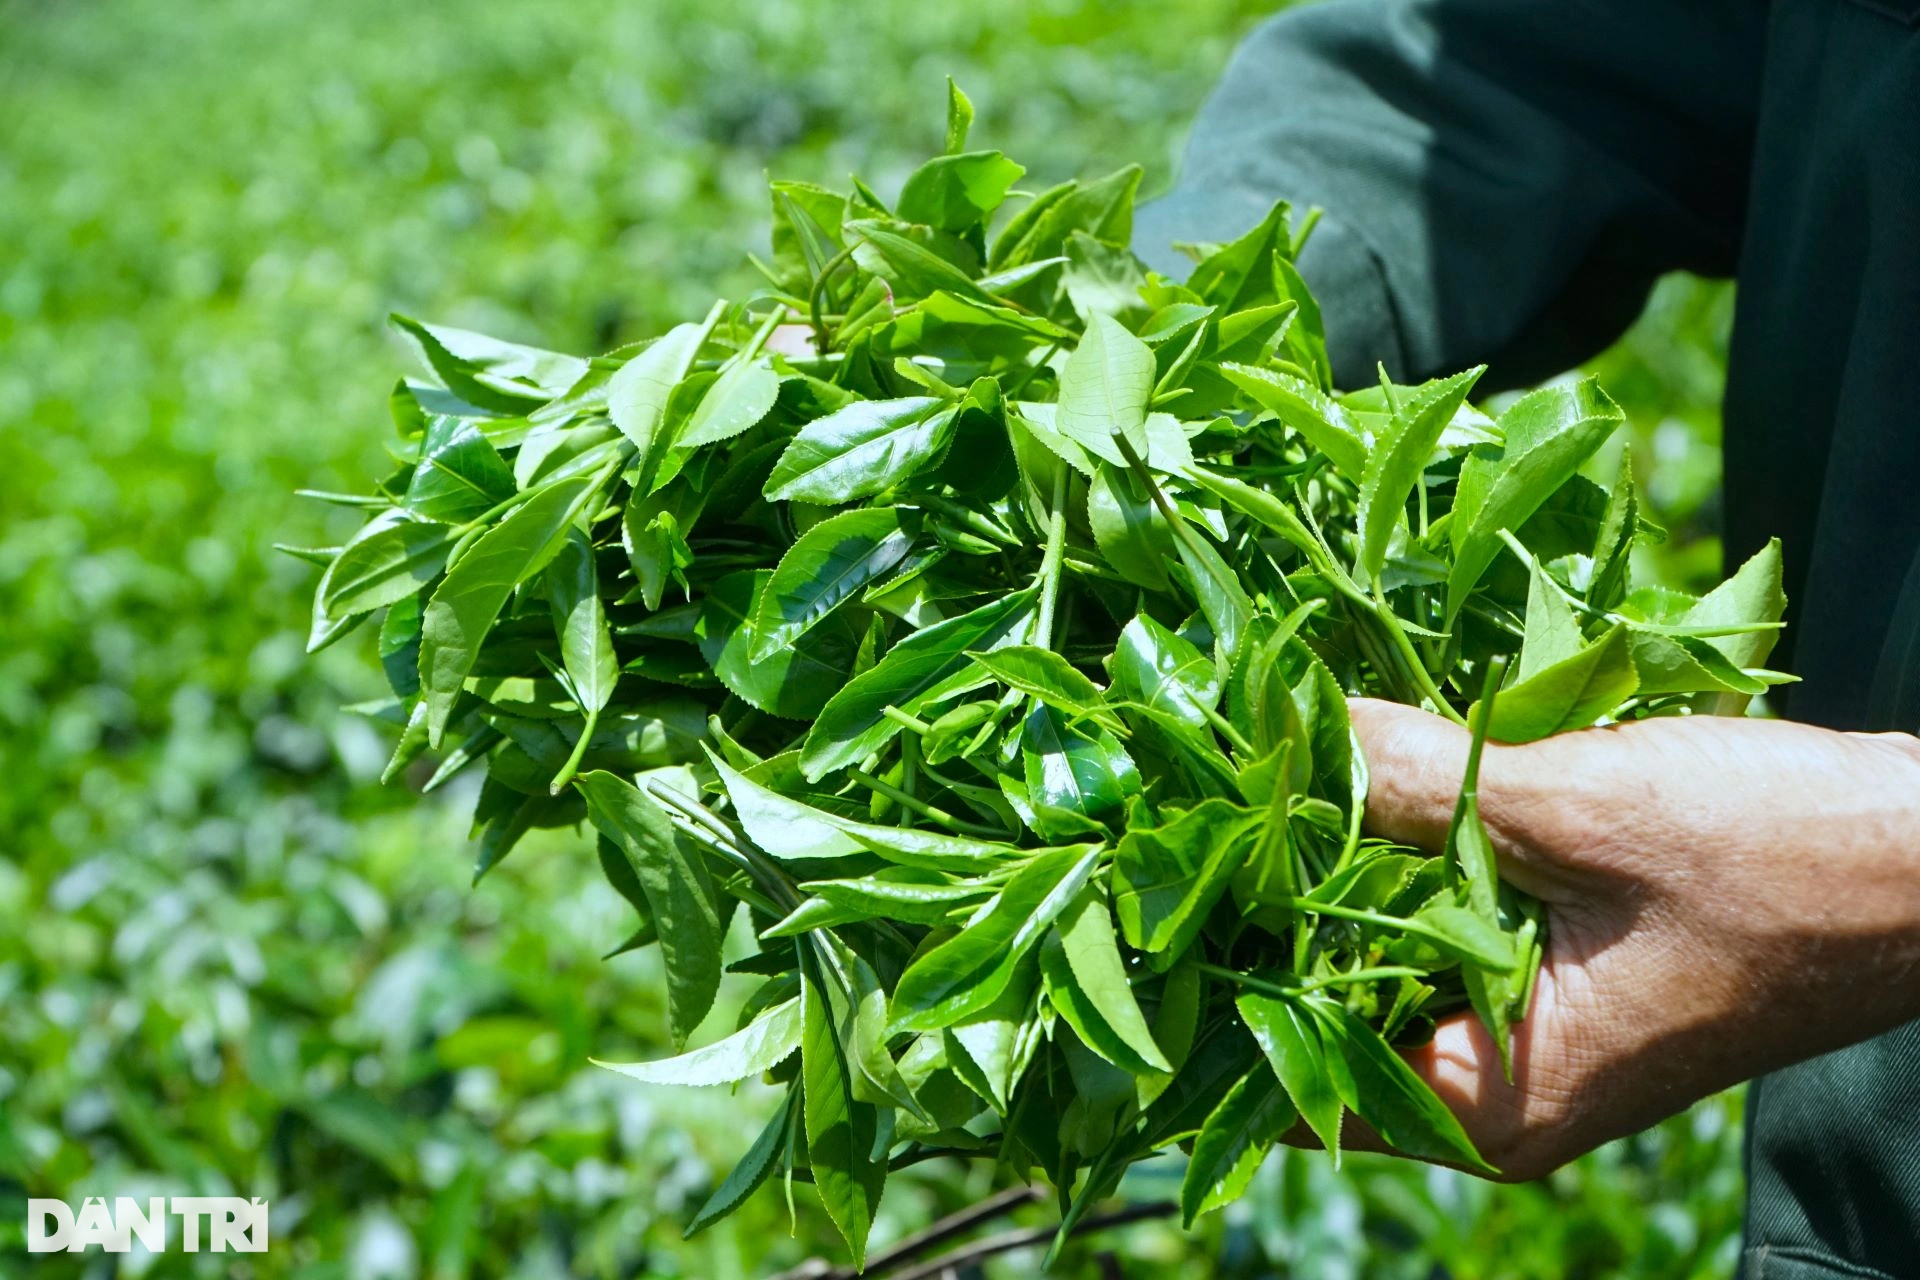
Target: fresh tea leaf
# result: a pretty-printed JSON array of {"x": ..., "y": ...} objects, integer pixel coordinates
[
  {"x": 460, "y": 475},
  {"x": 678, "y": 890},
  {"x": 1399, "y": 459},
  {"x": 1288, "y": 1035},
  {"x": 748, "y": 1052},
  {"x": 861, "y": 450},
  {"x": 840, "y": 1128},
  {"x": 968, "y": 972},
  {"x": 463, "y": 608},
  {"x": 926, "y": 667},
  {"x": 1088, "y": 983},
  {"x": 388, "y": 561},
  {"x": 1548, "y": 434},
  {"x": 1105, "y": 387},
  {"x": 825, "y": 567},
  {"x": 1227, "y": 1152},
  {"x": 1571, "y": 694},
  {"x": 1380, "y": 1088}
]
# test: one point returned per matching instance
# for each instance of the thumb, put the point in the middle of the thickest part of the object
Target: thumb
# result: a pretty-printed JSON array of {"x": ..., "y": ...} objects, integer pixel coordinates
[{"x": 1416, "y": 760}]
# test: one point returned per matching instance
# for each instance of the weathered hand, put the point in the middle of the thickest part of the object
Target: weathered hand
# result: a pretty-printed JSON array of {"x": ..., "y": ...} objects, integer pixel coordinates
[{"x": 1726, "y": 896}]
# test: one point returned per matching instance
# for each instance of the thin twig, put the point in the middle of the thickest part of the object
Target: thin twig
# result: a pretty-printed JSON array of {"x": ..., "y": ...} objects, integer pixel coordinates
[
  {"x": 954, "y": 1224},
  {"x": 908, "y": 1251},
  {"x": 1007, "y": 1241},
  {"x": 923, "y": 1242}
]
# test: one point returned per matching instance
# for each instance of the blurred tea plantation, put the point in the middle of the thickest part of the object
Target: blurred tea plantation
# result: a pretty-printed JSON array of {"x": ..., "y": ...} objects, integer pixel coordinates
[{"x": 229, "y": 961}]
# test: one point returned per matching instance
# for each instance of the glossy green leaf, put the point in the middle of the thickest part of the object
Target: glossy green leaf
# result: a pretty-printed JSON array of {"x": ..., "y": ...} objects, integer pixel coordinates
[
  {"x": 1380, "y": 1088},
  {"x": 1167, "y": 878},
  {"x": 1083, "y": 772},
  {"x": 926, "y": 667},
  {"x": 792, "y": 830},
  {"x": 1288, "y": 1035},
  {"x": 957, "y": 191},
  {"x": 1275, "y": 697},
  {"x": 1216, "y": 589},
  {"x": 780, "y": 825},
  {"x": 388, "y": 561},
  {"x": 1571, "y": 694},
  {"x": 840, "y": 1128},
  {"x": 1399, "y": 459},
  {"x": 1613, "y": 547},
  {"x": 1102, "y": 209},
  {"x": 861, "y": 450},
  {"x": 739, "y": 398},
  {"x": 1689, "y": 664},
  {"x": 1303, "y": 407},
  {"x": 580, "y": 619},
  {"x": 1240, "y": 273},
  {"x": 463, "y": 608},
  {"x": 1161, "y": 669},
  {"x": 907, "y": 894},
  {"x": 793, "y": 682},
  {"x": 1133, "y": 537},
  {"x": 501, "y": 377},
  {"x": 1547, "y": 435},
  {"x": 677, "y": 886},
  {"x": 989, "y": 1048},
  {"x": 1044, "y": 674},
  {"x": 756, "y": 1048},
  {"x": 1087, "y": 982},
  {"x": 637, "y": 395},
  {"x": 460, "y": 475},
  {"x": 1466, "y": 936},
  {"x": 959, "y": 118},
  {"x": 1553, "y": 632},
  {"x": 1306, "y": 340},
  {"x": 651, "y": 532},
  {"x": 1104, "y": 279},
  {"x": 1269, "y": 511},
  {"x": 965, "y": 974},
  {"x": 1254, "y": 1115},
  {"x": 1250, "y": 333},
  {"x": 807, "y": 222},
  {"x": 913, "y": 269},
  {"x": 1752, "y": 596},
  {"x": 553, "y": 453},
  {"x": 1105, "y": 387},
  {"x": 753, "y": 1170},
  {"x": 400, "y": 646},
  {"x": 860, "y": 1005},
  {"x": 825, "y": 567}
]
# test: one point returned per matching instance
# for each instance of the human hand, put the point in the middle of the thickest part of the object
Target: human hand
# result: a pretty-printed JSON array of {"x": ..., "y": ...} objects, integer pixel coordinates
[{"x": 1725, "y": 897}]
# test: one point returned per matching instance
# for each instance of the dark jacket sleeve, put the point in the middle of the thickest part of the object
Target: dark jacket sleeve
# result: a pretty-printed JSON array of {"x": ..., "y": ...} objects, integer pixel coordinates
[{"x": 1502, "y": 180}]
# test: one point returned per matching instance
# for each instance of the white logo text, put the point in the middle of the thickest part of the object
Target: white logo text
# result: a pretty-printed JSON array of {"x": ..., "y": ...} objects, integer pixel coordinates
[{"x": 232, "y": 1223}]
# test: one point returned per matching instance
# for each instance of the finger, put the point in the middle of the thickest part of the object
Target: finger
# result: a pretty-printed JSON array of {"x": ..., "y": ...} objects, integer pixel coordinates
[{"x": 1416, "y": 760}]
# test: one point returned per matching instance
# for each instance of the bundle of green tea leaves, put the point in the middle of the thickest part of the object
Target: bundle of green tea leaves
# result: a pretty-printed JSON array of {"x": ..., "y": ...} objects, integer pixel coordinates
[{"x": 978, "y": 611}]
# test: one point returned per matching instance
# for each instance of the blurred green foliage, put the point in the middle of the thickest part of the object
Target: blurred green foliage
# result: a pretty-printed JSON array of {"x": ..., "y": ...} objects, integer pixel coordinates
[{"x": 228, "y": 959}]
